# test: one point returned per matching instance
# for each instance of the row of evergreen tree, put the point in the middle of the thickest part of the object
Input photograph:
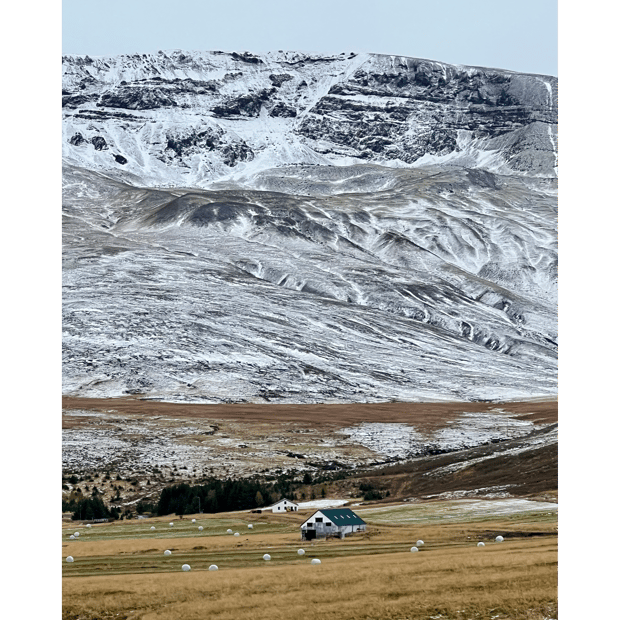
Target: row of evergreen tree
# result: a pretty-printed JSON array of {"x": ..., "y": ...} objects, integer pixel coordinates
[
  {"x": 89, "y": 508},
  {"x": 216, "y": 496}
]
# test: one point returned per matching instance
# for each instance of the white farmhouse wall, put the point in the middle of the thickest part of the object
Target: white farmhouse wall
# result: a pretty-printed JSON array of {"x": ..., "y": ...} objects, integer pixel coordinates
[{"x": 283, "y": 506}]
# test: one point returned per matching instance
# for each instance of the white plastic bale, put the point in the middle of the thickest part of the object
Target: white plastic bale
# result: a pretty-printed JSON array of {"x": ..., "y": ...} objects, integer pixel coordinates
[
  {"x": 315, "y": 561},
  {"x": 200, "y": 528},
  {"x": 72, "y": 537},
  {"x": 236, "y": 534},
  {"x": 499, "y": 539},
  {"x": 229, "y": 531},
  {"x": 152, "y": 527},
  {"x": 186, "y": 567},
  {"x": 167, "y": 552},
  {"x": 480, "y": 544},
  {"x": 88, "y": 525},
  {"x": 419, "y": 543},
  {"x": 213, "y": 567},
  {"x": 266, "y": 557},
  {"x": 250, "y": 526},
  {"x": 193, "y": 520},
  {"x": 76, "y": 534},
  {"x": 69, "y": 558},
  {"x": 414, "y": 549},
  {"x": 300, "y": 552},
  {"x": 171, "y": 524}
]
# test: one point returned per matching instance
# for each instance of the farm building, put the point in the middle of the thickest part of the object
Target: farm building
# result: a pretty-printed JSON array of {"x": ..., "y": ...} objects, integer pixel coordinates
[
  {"x": 284, "y": 505},
  {"x": 332, "y": 522}
]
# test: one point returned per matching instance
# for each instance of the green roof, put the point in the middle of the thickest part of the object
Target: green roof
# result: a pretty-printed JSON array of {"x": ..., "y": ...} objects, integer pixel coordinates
[{"x": 342, "y": 516}]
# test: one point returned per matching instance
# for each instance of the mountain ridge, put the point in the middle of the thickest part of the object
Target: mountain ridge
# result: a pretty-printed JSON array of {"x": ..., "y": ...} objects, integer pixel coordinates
[{"x": 192, "y": 119}]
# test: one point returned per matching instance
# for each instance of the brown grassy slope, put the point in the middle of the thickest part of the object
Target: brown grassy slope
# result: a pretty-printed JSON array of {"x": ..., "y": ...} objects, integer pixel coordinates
[
  {"x": 514, "y": 580},
  {"x": 532, "y": 471},
  {"x": 429, "y": 416}
]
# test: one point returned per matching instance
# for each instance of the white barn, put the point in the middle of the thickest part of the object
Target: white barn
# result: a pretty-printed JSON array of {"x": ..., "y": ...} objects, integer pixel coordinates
[
  {"x": 332, "y": 522},
  {"x": 284, "y": 505}
]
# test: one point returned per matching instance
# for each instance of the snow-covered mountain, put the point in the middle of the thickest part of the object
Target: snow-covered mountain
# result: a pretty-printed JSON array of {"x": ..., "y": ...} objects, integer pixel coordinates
[
  {"x": 302, "y": 228},
  {"x": 193, "y": 118}
]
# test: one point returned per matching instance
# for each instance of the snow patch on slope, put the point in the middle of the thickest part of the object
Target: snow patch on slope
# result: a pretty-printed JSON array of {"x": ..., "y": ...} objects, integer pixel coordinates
[{"x": 470, "y": 429}]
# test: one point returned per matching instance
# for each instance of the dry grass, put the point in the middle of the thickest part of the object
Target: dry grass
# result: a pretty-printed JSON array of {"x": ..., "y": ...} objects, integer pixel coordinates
[
  {"x": 273, "y": 436},
  {"x": 138, "y": 533},
  {"x": 512, "y": 580},
  {"x": 370, "y": 576},
  {"x": 443, "y": 522},
  {"x": 391, "y": 527},
  {"x": 424, "y": 416}
]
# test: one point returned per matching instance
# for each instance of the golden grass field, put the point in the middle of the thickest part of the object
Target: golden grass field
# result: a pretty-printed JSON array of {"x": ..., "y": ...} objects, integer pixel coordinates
[{"x": 120, "y": 571}]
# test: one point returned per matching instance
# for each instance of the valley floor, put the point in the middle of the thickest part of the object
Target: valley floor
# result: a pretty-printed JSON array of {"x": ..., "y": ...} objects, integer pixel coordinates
[{"x": 120, "y": 571}]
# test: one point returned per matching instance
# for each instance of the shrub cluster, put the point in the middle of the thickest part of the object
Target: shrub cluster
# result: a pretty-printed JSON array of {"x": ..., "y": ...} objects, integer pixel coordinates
[{"x": 371, "y": 492}]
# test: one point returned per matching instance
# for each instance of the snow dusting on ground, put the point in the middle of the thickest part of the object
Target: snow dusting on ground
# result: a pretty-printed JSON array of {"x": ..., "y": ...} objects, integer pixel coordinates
[
  {"x": 469, "y": 509},
  {"x": 470, "y": 429},
  {"x": 323, "y": 503}
]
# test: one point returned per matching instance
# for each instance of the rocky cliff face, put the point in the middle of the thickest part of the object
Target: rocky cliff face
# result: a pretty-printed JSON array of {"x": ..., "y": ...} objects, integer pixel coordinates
[
  {"x": 191, "y": 119},
  {"x": 301, "y": 228}
]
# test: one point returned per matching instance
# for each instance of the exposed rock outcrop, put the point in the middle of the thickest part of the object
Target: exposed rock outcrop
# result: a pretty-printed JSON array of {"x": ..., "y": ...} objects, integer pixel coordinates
[{"x": 381, "y": 109}]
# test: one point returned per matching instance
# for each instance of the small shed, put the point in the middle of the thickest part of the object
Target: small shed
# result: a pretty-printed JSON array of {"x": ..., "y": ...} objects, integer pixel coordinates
[
  {"x": 284, "y": 505},
  {"x": 339, "y": 522}
]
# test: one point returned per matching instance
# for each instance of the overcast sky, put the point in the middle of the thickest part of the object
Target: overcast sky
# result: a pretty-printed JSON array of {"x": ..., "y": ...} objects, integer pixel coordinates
[{"x": 519, "y": 35}]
